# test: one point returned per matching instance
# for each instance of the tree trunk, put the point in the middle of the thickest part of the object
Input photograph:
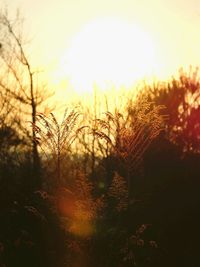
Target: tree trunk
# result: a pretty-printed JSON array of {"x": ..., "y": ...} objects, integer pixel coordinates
[{"x": 36, "y": 168}]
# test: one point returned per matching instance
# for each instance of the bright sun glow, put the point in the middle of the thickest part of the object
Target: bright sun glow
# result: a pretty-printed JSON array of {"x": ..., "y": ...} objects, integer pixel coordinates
[{"x": 108, "y": 51}]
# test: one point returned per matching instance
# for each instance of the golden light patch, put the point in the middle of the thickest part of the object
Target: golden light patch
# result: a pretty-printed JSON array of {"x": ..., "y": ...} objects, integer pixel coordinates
[{"x": 82, "y": 228}]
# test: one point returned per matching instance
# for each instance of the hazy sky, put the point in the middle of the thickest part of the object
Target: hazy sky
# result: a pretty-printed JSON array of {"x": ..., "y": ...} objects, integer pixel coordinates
[{"x": 173, "y": 24}]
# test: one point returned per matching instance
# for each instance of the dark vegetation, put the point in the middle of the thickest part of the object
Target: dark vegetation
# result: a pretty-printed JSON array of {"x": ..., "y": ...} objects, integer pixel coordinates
[{"x": 117, "y": 190}]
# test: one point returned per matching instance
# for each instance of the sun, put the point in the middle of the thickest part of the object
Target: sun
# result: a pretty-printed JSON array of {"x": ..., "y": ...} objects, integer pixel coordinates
[{"x": 108, "y": 51}]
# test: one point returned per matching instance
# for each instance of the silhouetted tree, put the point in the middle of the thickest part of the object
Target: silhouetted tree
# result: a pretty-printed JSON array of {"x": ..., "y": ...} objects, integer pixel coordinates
[
  {"x": 181, "y": 96},
  {"x": 18, "y": 78}
]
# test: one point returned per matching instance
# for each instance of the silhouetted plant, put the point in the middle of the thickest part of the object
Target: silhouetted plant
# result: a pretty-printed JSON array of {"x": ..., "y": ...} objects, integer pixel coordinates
[
  {"x": 137, "y": 243},
  {"x": 118, "y": 191},
  {"x": 87, "y": 206},
  {"x": 9, "y": 140},
  {"x": 129, "y": 136},
  {"x": 55, "y": 138},
  {"x": 181, "y": 96}
]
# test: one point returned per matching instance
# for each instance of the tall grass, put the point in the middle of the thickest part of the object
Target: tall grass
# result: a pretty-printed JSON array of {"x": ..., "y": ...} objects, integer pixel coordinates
[
  {"x": 54, "y": 138},
  {"x": 129, "y": 135}
]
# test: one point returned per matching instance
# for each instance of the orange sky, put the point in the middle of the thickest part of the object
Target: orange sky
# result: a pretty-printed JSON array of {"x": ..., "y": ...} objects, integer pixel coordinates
[{"x": 53, "y": 24}]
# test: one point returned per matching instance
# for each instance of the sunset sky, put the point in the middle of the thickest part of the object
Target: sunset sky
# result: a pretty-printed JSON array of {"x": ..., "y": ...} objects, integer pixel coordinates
[{"x": 165, "y": 37}]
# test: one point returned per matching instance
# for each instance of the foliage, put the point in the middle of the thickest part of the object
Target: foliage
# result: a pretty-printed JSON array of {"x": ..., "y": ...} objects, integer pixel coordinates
[
  {"x": 181, "y": 96},
  {"x": 87, "y": 206},
  {"x": 90, "y": 214},
  {"x": 136, "y": 244},
  {"x": 30, "y": 233},
  {"x": 118, "y": 191},
  {"x": 9, "y": 140}
]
